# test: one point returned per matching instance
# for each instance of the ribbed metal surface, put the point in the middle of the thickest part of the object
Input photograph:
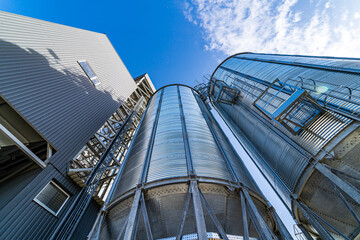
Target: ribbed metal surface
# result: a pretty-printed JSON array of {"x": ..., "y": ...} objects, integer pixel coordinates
[
  {"x": 135, "y": 161},
  {"x": 271, "y": 146},
  {"x": 206, "y": 155},
  {"x": 266, "y": 68},
  {"x": 289, "y": 159},
  {"x": 169, "y": 158},
  {"x": 41, "y": 79}
]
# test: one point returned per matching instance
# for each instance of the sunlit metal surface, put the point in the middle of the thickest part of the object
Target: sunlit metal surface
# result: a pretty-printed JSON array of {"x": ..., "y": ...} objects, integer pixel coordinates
[
  {"x": 183, "y": 175},
  {"x": 306, "y": 148}
]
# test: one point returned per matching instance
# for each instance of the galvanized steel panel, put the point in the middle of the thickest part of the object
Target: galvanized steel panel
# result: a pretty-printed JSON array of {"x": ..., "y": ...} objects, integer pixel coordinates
[{"x": 168, "y": 158}]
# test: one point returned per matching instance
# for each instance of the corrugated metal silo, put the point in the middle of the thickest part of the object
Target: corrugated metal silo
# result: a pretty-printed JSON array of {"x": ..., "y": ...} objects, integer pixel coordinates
[
  {"x": 181, "y": 177},
  {"x": 298, "y": 117}
]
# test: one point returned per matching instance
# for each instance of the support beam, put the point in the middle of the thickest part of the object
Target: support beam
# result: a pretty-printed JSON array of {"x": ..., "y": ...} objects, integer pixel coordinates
[
  {"x": 186, "y": 208},
  {"x": 343, "y": 185},
  {"x": 131, "y": 226},
  {"x": 280, "y": 225},
  {"x": 89, "y": 169},
  {"x": 322, "y": 231},
  {"x": 189, "y": 162},
  {"x": 199, "y": 214},
  {"x": 22, "y": 147},
  {"x": 214, "y": 218},
  {"x": 150, "y": 146},
  {"x": 346, "y": 203},
  {"x": 122, "y": 229},
  {"x": 305, "y": 232},
  {"x": 259, "y": 221},
  {"x": 244, "y": 217},
  {"x": 146, "y": 218}
]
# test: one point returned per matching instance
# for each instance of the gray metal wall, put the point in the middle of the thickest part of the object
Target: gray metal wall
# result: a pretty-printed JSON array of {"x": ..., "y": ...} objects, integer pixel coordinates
[
  {"x": 165, "y": 153},
  {"x": 41, "y": 79}
]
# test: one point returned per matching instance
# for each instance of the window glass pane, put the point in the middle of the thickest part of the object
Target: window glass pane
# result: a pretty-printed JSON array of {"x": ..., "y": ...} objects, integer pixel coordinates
[{"x": 89, "y": 72}]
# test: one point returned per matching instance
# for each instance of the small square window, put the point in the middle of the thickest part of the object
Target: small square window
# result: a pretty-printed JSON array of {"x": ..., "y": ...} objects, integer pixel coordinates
[
  {"x": 52, "y": 198},
  {"x": 89, "y": 72}
]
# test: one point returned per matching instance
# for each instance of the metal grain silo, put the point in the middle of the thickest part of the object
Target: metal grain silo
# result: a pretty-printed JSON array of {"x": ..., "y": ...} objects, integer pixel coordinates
[
  {"x": 182, "y": 179},
  {"x": 298, "y": 117}
]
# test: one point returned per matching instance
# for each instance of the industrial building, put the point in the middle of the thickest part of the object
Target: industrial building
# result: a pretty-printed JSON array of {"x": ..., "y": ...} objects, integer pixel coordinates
[
  {"x": 88, "y": 152},
  {"x": 64, "y": 94},
  {"x": 298, "y": 119}
]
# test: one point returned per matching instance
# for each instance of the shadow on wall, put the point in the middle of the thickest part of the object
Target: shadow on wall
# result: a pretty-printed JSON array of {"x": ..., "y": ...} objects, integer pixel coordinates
[{"x": 41, "y": 87}]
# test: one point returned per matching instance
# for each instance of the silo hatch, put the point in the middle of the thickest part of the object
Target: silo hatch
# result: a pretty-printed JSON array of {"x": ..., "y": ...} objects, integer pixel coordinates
[
  {"x": 290, "y": 106},
  {"x": 225, "y": 93}
]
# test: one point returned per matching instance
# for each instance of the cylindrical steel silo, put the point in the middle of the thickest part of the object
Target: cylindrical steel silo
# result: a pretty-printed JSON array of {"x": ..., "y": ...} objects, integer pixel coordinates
[
  {"x": 182, "y": 179},
  {"x": 298, "y": 117}
]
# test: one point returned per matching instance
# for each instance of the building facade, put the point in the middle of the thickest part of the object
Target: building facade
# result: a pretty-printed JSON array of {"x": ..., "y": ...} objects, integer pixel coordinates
[
  {"x": 298, "y": 118},
  {"x": 64, "y": 94}
]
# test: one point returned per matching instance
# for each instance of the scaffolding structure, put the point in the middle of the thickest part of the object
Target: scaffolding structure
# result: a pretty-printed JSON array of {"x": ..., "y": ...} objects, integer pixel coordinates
[{"x": 82, "y": 165}]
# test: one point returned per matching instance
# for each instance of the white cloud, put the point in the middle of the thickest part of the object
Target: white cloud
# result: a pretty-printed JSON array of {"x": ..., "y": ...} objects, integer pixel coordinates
[{"x": 232, "y": 26}]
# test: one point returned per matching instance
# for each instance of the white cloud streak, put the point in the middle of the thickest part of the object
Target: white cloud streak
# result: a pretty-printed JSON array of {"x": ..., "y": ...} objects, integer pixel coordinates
[{"x": 273, "y": 26}]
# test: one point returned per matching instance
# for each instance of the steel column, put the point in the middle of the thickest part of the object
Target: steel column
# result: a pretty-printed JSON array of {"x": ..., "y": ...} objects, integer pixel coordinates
[
  {"x": 213, "y": 217},
  {"x": 244, "y": 216},
  {"x": 323, "y": 232},
  {"x": 182, "y": 223},
  {"x": 305, "y": 232},
  {"x": 259, "y": 221},
  {"x": 146, "y": 218},
  {"x": 130, "y": 231},
  {"x": 280, "y": 225},
  {"x": 343, "y": 185},
  {"x": 189, "y": 163},
  {"x": 151, "y": 143},
  {"x": 199, "y": 214}
]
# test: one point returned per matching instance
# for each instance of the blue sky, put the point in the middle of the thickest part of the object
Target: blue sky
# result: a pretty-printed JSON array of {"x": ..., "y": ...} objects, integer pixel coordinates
[
  {"x": 149, "y": 36},
  {"x": 180, "y": 41}
]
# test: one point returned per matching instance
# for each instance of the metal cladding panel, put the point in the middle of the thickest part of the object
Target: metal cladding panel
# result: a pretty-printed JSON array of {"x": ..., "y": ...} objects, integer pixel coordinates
[
  {"x": 41, "y": 78},
  {"x": 303, "y": 73},
  {"x": 86, "y": 221},
  {"x": 166, "y": 154},
  {"x": 23, "y": 218},
  {"x": 205, "y": 153},
  {"x": 281, "y": 188},
  {"x": 283, "y": 159},
  {"x": 136, "y": 156},
  {"x": 238, "y": 165}
]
